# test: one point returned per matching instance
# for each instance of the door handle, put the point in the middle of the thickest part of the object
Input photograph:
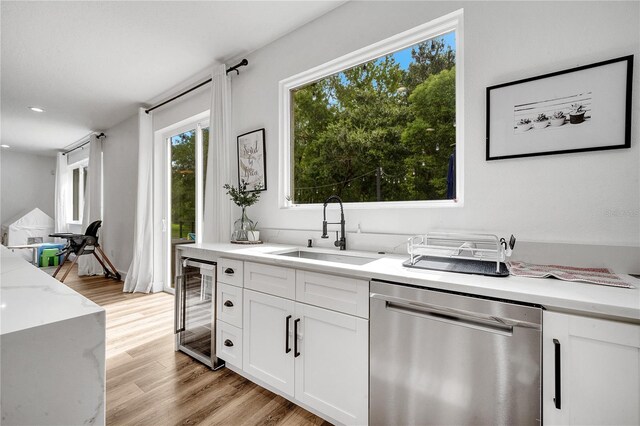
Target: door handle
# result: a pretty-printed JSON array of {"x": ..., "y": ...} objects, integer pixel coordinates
[
  {"x": 229, "y": 271},
  {"x": 470, "y": 319},
  {"x": 178, "y": 319},
  {"x": 228, "y": 303},
  {"x": 295, "y": 338},
  {"x": 228, "y": 343},
  {"x": 287, "y": 347},
  {"x": 450, "y": 317},
  {"x": 558, "y": 389}
]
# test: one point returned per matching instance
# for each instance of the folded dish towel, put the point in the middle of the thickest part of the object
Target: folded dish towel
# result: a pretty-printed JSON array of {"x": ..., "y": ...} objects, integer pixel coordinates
[{"x": 600, "y": 276}]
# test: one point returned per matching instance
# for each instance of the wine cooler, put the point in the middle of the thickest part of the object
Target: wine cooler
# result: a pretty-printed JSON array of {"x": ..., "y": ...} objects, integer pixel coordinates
[{"x": 195, "y": 315}]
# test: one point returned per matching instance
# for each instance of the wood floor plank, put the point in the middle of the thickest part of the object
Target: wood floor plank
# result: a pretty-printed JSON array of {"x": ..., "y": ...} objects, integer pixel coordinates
[{"x": 148, "y": 383}]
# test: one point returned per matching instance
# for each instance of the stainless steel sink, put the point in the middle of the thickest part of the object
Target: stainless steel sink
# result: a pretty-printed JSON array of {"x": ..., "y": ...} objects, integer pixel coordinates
[{"x": 328, "y": 257}]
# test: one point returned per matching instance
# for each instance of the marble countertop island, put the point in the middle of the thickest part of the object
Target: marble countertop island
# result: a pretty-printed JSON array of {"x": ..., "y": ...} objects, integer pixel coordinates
[{"x": 52, "y": 349}]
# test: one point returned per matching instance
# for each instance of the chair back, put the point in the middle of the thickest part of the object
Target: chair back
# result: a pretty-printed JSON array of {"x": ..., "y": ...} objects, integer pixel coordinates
[{"x": 92, "y": 229}]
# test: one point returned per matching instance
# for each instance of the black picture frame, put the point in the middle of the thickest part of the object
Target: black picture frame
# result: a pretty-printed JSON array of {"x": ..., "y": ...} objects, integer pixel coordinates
[
  {"x": 252, "y": 160},
  {"x": 605, "y": 87}
]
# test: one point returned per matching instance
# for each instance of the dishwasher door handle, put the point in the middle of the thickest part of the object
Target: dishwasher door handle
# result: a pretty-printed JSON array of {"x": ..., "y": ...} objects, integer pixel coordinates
[{"x": 452, "y": 316}]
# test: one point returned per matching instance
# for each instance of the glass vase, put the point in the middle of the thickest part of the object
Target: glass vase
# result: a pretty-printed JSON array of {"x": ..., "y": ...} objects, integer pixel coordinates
[{"x": 241, "y": 227}]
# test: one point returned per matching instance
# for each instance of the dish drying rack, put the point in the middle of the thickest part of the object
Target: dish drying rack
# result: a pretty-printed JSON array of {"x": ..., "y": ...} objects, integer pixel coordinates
[{"x": 474, "y": 247}]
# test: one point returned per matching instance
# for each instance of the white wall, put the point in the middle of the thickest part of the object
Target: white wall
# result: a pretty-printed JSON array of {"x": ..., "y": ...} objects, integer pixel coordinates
[
  {"x": 120, "y": 171},
  {"x": 559, "y": 198},
  {"x": 28, "y": 181}
]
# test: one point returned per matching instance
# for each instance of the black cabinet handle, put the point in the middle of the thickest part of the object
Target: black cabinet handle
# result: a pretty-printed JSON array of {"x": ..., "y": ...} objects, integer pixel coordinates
[
  {"x": 229, "y": 271},
  {"x": 557, "y": 399},
  {"x": 295, "y": 338},
  {"x": 228, "y": 303},
  {"x": 228, "y": 343},
  {"x": 287, "y": 348}
]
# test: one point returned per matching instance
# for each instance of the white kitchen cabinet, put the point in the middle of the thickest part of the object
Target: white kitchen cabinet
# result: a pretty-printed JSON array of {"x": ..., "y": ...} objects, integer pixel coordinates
[
  {"x": 268, "y": 353},
  {"x": 270, "y": 279},
  {"x": 325, "y": 366},
  {"x": 331, "y": 366},
  {"x": 348, "y": 295},
  {"x": 598, "y": 380}
]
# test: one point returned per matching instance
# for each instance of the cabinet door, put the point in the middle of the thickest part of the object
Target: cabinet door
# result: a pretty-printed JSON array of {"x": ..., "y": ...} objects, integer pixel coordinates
[
  {"x": 265, "y": 354},
  {"x": 332, "y": 370},
  {"x": 599, "y": 371}
]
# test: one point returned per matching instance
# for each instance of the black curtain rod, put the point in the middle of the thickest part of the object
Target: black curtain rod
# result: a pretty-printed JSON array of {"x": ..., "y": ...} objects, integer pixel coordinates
[
  {"x": 242, "y": 63},
  {"x": 101, "y": 135}
]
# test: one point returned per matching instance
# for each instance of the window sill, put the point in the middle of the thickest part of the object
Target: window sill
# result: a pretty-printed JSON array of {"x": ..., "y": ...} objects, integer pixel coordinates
[{"x": 386, "y": 205}]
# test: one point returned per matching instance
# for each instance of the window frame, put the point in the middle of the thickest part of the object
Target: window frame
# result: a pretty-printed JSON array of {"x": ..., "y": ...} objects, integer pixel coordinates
[
  {"x": 439, "y": 26},
  {"x": 82, "y": 167}
]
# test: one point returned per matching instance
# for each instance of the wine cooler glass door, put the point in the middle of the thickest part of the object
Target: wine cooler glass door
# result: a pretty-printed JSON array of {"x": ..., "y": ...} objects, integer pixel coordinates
[{"x": 195, "y": 315}]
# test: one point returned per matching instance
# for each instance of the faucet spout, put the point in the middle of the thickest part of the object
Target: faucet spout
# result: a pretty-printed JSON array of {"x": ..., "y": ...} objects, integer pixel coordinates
[{"x": 342, "y": 240}]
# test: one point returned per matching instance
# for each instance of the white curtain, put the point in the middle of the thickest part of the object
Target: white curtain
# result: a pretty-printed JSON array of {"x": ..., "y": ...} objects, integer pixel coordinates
[
  {"x": 140, "y": 275},
  {"x": 61, "y": 194},
  {"x": 217, "y": 206},
  {"x": 88, "y": 264}
]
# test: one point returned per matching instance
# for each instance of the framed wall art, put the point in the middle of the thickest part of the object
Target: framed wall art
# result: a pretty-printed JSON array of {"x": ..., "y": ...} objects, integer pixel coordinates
[
  {"x": 252, "y": 162},
  {"x": 587, "y": 108}
]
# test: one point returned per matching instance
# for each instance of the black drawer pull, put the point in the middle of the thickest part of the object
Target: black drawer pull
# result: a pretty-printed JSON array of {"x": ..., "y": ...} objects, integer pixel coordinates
[
  {"x": 557, "y": 399},
  {"x": 228, "y": 343},
  {"x": 287, "y": 347},
  {"x": 229, "y": 271},
  {"x": 228, "y": 303},
  {"x": 295, "y": 338}
]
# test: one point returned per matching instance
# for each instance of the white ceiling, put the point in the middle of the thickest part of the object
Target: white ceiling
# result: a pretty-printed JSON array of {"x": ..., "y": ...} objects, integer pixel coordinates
[{"x": 91, "y": 64}]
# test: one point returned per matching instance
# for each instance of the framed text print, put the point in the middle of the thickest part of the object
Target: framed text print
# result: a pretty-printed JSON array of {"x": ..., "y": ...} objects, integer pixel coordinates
[{"x": 252, "y": 163}]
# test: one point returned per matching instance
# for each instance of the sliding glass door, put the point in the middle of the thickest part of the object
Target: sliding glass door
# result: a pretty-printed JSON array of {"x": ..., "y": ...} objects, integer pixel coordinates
[{"x": 186, "y": 149}]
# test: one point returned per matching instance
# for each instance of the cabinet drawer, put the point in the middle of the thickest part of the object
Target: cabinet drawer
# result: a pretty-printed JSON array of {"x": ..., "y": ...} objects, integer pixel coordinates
[
  {"x": 269, "y": 279},
  {"x": 229, "y": 304},
  {"x": 229, "y": 343},
  {"x": 230, "y": 272},
  {"x": 341, "y": 294}
]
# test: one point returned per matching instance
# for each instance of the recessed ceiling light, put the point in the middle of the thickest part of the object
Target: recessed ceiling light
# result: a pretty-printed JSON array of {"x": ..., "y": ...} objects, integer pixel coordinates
[
  {"x": 36, "y": 109},
  {"x": 5, "y": 146}
]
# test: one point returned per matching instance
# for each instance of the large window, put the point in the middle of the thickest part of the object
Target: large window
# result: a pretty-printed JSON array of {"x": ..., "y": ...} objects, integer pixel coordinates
[{"x": 378, "y": 125}]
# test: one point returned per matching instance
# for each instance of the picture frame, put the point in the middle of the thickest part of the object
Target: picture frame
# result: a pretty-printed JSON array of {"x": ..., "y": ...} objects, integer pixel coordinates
[
  {"x": 252, "y": 160},
  {"x": 587, "y": 108}
]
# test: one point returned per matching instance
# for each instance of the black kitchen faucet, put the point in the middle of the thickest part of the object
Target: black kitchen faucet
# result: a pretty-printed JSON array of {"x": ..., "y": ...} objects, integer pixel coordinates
[{"x": 342, "y": 241}]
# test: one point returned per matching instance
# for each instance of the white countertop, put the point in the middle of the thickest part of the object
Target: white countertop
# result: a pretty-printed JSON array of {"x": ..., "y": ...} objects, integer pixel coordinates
[
  {"x": 30, "y": 297},
  {"x": 553, "y": 294}
]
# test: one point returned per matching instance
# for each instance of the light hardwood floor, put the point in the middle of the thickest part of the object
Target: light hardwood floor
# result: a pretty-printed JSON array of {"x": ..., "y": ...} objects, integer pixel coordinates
[{"x": 148, "y": 383}]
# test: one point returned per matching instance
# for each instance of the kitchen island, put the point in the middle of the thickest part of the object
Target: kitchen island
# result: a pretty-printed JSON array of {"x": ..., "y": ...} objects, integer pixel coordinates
[{"x": 52, "y": 343}]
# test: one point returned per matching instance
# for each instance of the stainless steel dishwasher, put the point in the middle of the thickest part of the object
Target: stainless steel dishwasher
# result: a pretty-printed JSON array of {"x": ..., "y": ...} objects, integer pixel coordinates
[{"x": 441, "y": 358}]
